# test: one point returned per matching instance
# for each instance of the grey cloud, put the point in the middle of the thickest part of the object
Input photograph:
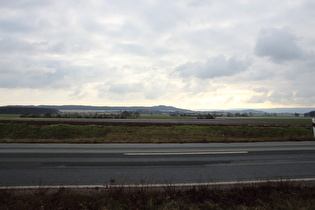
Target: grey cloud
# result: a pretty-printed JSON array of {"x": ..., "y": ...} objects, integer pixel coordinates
[
  {"x": 122, "y": 88},
  {"x": 163, "y": 17},
  {"x": 261, "y": 74},
  {"x": 140, "y": 50},
  {"x": 295, "y": 89},
  {"x": 41, "y": 75},
  {"x": 296, "y": 92},
  {"x": 24, "y": 4},
  {"x": 32, "y": 81},
  {"x": 281, "y": 97},
  {"x": 214, "y": 67},
  {"x": 81, "y": 44},
  {"x": 261, "y": 90},
  {"x": 305, "y": 94},
  {"x": 130, "y": 48},
  {"x": 142, "y": 85},
  {"x": 27, "y": 48},
  {"x": 156, "y": 87},
  {"x": 303, "y": 83},
  {"x": 15, "y": 26},
  {"x": 22, "y": 17},
  {"x": 258, "y": 99},
  {"x": 196, "y": 3},
  {"x": 278, "y": 44},
  {"x": 67, "y": 47},
  {"x": 276, "y": 97},
  {"x": 20, "y": 46}
]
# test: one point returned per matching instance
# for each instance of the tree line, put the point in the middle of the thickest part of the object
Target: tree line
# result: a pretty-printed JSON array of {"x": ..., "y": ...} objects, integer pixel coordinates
[
  {"x": 27, "y": 110},
  {"x": 122, "y": 115}
]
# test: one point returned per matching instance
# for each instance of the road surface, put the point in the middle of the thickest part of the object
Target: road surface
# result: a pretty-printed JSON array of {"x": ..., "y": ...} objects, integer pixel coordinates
[{"x": 105, "y": 164}]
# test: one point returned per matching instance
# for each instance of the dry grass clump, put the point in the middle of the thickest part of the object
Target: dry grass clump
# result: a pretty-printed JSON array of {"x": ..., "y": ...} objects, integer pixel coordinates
[{"x": 273, "y": 195}]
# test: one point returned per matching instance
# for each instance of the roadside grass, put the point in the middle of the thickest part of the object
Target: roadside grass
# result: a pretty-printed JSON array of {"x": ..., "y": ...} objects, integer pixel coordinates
[
  {"x": 64, "y": 133},
  {"x": 270, "y": 195}
]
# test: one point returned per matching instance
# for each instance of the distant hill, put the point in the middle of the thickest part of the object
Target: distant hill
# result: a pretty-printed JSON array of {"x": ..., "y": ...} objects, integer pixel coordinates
[
  {"x": 288, "y": 110},
  {"x": 254, "y": 111},
  {"x": 27, "y": 110},
  {"x": 269, "y": 110},
  {"x": 44, "y": 109},
  {"x": 141, "y": 109}
]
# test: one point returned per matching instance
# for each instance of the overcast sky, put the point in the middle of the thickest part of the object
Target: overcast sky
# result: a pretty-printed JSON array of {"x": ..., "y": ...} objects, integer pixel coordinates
[{"x": 193, "y": 54}]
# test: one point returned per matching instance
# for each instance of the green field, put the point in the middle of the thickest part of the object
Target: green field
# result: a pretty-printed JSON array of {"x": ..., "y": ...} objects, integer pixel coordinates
[
  {"x": 163, "y": 116},
  {"x": 9, "y": 116},
  {"x": 277, "y": 120},
  {"x": 64, "y": 133}
]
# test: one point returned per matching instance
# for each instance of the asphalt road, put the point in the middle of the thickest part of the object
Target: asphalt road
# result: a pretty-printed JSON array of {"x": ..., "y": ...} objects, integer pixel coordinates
[{"x": 105, "y": 164}]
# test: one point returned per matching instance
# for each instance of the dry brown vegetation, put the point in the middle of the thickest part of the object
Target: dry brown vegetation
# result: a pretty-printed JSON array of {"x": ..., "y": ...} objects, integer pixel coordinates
[{"x": 271, "y": 195}]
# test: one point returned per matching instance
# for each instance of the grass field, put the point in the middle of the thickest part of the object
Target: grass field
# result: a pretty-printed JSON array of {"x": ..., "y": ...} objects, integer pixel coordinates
[
  {"x": 9, "y": 116},
  {"x": 272, "y": 195},
  {"x": 64, "y": 133},
  {"x": 142, "y": 116},
  {"x": 163, "y": 116},
  {"x": 278, "y": 120}
]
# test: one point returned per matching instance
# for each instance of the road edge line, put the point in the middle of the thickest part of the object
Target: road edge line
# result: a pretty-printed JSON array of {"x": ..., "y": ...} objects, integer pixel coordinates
[{"x": 135, "y": 186}]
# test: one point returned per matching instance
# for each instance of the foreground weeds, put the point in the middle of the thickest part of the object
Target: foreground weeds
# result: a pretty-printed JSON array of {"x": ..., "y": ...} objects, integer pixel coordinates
[{"x": 281, "y": 195}]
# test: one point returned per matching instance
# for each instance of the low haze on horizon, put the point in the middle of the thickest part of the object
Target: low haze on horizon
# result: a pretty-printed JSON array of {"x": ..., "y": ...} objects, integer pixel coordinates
[{"x": 190, "y": 54}]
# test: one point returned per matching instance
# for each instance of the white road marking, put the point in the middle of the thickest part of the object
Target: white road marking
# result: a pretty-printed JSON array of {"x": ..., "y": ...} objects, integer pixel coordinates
[
  {"x": 104, "y": 187},
  {"x": 267, "y": 162},
  {"x": 185, "y": 153}
]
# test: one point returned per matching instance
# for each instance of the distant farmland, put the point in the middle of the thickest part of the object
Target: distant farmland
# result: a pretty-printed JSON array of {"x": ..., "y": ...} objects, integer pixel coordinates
[{"x": 226, "y": 121}]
